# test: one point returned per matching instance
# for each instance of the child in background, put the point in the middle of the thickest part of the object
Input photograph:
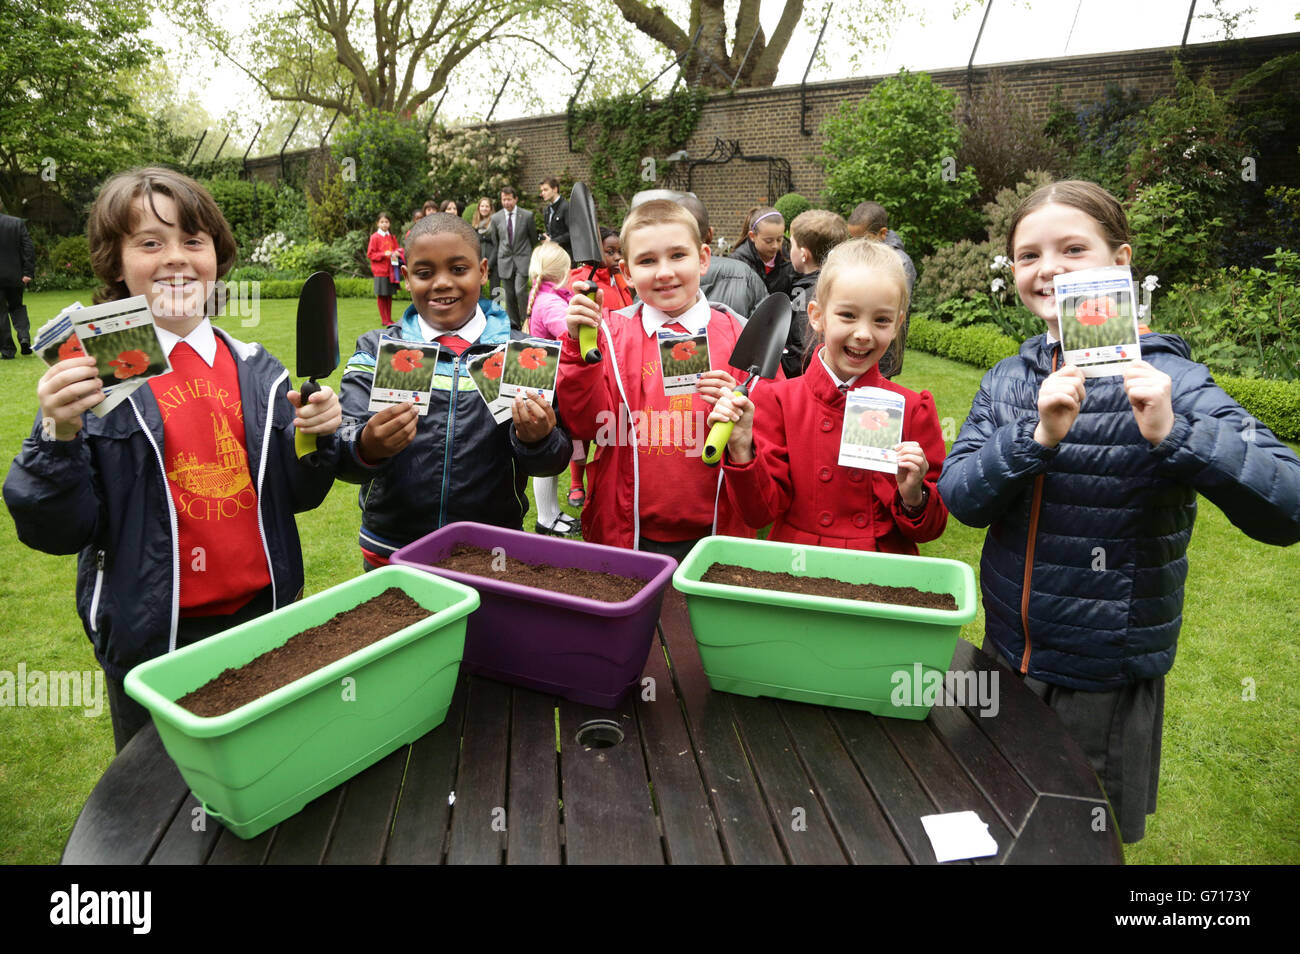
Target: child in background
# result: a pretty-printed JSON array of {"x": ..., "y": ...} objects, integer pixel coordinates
[
  {"x": 783, "y": 455},
  {"x": 870, "y": 219},
  {"x": 482, "y": 222},
  {"x": 760, "y": 247},
  {"x": 812, "y": 236},
  {"x": 649, "y": 489},
  {"x": 607, "y": 277},
  {"x": 181, "y": 499},
  {"x": 419, "y": 473},
  {"x": 383, "y": 254},
  {"x": 1064, "y": 471},
  {"x": 547, "y": 304},
  {"x": 415, "y": 217}
]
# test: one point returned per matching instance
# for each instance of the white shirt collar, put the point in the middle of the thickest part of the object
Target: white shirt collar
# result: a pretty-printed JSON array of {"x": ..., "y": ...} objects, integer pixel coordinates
[
  {"x": 469, "y": 331},
  {"x": 202, "y": 339},
  {"x": 695, "y": 319},
  {"x": 1051, "y": 338},
  {"x": 834, "y": 377}
]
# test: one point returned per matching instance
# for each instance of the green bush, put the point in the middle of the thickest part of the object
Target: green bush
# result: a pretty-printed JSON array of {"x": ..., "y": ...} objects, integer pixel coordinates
[
  {"x": 1001, "y": 140},
  {"x": 898, "y": 147},
  {"x": 70, "y": 257},
  {"x": 468, "y": 162},
  {"x": 327, "y": 204},
  {"x": 249, "y": 207},
  {"x": 790, "y": 205},
  {"x": 1099, "y": 137},
  {"x": 387, "y": 156},
  {"x": 343, "y": 287},
  {"x": 980, "y": 345},
  {"x": 1276, "y": 404}
]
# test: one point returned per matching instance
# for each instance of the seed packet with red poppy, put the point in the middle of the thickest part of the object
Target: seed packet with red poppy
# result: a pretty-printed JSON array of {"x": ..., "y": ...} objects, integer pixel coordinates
[
  {"x": 530, "y": 365},
  {"x": 122, "y": 337},
  {"x": 683, "y": 359},
  {"x": 485, "y": 371},
  {"x": 873, "y": 424},
  {"x": 1098, "y": 317},
  {"x": 403, "y": 374}
]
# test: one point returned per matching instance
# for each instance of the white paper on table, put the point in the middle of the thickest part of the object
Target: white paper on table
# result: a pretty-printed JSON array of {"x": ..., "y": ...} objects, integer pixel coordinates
[{"x": 959, "y": 835}]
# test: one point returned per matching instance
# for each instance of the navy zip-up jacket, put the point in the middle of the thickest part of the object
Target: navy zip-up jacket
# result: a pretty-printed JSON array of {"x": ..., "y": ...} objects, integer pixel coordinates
[
  {"x": 1114, "y": 514},
  {"x": 104, "y": 495},
  {"x": 462, "y": 465}
]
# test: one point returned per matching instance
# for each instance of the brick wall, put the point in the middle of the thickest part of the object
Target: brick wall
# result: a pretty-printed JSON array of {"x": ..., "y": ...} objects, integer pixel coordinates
[{"x": 766, "y": 121}]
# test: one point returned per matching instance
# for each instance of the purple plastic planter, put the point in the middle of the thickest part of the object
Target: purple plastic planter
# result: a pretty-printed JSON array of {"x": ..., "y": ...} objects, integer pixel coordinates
[{"x": 584, "y": 650}]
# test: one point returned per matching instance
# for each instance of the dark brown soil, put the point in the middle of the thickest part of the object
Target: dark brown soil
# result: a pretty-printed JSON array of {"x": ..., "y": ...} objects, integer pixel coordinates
[
  {"x": 589, "y": 584},
  {"x": 312, "y": 649},
  {"x": 821, "y": 586}
]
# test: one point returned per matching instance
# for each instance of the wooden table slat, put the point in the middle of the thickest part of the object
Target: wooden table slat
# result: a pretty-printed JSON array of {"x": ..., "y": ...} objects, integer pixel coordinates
[
  {"x": 945, "y": 782},
  {"x": 233, "y": 850},
  {"x": 183, "y": 844},
  {"x": 1063, "y": 830},
  {"x": 478, "y": 818},
  {"x": 863, "y": 829},
  {"x": 304, "y": 838},
  {"x": 608, "y": 815},
  {"x": 131, "y": 808},
  {"x": 533, "y": 809},
  {"x": 361, "y": 832},
  {"x": 419, "y": 834},
  {"x": 797, "y": 814},
  {"x": 743, "y": 818},
  {"x": 689, "y": 829}
]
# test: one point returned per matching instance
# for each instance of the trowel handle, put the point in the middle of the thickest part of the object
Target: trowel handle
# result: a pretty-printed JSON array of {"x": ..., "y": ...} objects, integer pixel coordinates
[
  {"x": 587, "y": 334},
  {"x": 304, "y": 444},
  {"x": 720, "y": 432}
]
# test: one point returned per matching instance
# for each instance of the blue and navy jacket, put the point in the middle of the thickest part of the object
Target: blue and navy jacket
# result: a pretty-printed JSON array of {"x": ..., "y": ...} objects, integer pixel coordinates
[
  {"x": 1096, "y": 529},
  {"x": 462, "y": 465},
  {"x": 104, "y": 495}
]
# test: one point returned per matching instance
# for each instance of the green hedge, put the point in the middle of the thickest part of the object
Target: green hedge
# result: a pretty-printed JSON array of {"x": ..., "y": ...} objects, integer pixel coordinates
[
  {"x": 1276, "y": 404},
  {"x": 343, "y": 287}
]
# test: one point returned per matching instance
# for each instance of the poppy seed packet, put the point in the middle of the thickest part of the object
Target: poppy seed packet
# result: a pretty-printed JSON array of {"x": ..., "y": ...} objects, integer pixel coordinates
[
  {"x": 531, "y": 365},
  {"x": 873, "y": 425},
  {"x": 123, "y": 339},
  {"x": 683, "y": 359},
  {"x": 1097, "y": 312},
  {"x": 403, "y": 374},
  {"x": 485, "y": 372}
]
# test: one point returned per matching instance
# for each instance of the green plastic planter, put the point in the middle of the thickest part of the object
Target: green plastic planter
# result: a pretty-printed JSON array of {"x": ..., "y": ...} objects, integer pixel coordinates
[
  {"x": 263, "y": 762},
  {"x": 830, "y": 652}
]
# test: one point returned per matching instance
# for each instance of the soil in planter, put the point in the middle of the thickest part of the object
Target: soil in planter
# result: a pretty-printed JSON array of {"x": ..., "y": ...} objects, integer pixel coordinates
[
  {"x": 732, "y": 575},
  {"x": 589, "y": 584},
  {"x": 312, "y": 649}
]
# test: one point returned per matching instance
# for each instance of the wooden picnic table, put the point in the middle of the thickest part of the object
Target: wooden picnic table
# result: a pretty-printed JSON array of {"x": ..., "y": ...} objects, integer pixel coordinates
[{"x": 700, "y": 777}]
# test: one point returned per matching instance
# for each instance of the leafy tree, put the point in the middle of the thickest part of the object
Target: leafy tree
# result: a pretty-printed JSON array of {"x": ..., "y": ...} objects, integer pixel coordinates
[
  {"x": 898, "y": 147},
  {"x": 63, "y": 113},
  {"x": 384, "y": 165},
  {"x": 467, "y": 162}
]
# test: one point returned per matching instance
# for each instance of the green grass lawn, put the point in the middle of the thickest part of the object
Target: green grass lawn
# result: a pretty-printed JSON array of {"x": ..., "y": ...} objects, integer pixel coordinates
[{"x": 1230, "y": 770}]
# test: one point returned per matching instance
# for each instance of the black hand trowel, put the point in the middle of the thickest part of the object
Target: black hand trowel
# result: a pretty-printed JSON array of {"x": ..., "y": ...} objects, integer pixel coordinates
[
  {"x": 584, "y": 236},
  {"x": 318, "y": 343},
  {"x": 758, "y": 349}
]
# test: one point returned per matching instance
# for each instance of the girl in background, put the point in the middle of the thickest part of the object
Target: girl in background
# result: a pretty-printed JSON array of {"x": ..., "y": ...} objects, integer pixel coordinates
[{"x": 383, "y": 254}]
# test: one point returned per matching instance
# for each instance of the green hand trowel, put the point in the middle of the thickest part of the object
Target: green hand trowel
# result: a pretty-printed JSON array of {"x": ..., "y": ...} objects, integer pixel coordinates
[
  {"x": 758, "y": 349},
  {"x": 318, "y": 343},
  {"x": 584, "y": 236}
]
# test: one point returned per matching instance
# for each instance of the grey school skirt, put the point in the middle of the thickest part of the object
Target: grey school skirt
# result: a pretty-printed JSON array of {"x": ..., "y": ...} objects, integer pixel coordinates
[{"x": 385, "y": 287}]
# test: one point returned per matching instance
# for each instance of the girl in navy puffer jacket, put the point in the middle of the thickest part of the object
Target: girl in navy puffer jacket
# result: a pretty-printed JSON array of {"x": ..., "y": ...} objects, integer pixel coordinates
[{"x": 1090, "y": 495}]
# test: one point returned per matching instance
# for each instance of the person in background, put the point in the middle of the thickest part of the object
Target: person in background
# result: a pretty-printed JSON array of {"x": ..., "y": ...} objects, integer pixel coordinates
[
  {"x": 870, "y": 219},
  {"x": 555, "y": 214},
  {"x": 450, "y": 207},
  {"x": 383, "y": 253},
  {"x": 415, "y": 217},
  {"x": 17, "y": 266},
  {"x": 761, "y": 249},
  {"x": 516, "y": 234},
  {"x": 728, "y": 280},
  {"x": 812, "y": 236},
  {"x": 482, "y": 223}
]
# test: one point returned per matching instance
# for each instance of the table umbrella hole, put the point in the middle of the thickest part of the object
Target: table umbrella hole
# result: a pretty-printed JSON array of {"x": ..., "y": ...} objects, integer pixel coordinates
[{"x": 599, "y": 734}]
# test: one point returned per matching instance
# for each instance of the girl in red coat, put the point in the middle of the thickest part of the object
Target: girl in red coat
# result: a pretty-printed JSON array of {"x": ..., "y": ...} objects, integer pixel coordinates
[
  {"x": 783, "y": 456},
  {"x": 383, "y": 252}
]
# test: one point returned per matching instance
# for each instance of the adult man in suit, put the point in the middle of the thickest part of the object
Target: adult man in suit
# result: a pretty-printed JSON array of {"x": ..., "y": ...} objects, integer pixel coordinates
[
  {"x": 555, "y": 213},
  {"x": 516, "y": 235},
  {"x": 17, "y": 266}
]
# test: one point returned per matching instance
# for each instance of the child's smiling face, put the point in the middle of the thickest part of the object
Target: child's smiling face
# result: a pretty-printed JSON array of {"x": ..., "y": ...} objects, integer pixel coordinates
[
  {"x": 664, "y": 264},
  {"x": 173, "y": 269},
  {"x": 858, "y": 318},
  {"x": 613, "y": 252},
  {"x": 1050, "y": 241},
  {"x": 445, "y": 276}
]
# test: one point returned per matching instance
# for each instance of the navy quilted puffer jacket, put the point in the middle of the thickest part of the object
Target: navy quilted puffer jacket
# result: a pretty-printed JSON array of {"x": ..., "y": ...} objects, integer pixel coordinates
[{"x": 1102, "y": 537}]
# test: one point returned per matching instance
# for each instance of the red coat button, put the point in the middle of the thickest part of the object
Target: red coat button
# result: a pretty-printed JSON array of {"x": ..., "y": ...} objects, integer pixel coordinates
[
  {"x": 826, "y": 519},
  {"x": 824, "y": 473},
  {"x": 827, "y": 424},
  {"x": 855, "y": 475},
  {"x": 859, "y": 520}
]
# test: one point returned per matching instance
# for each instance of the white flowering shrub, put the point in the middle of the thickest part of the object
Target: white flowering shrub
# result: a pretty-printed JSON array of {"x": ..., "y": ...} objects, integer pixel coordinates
[
  {"x": 270, "y": 250},
  {"x": 467, "y": 162}
]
